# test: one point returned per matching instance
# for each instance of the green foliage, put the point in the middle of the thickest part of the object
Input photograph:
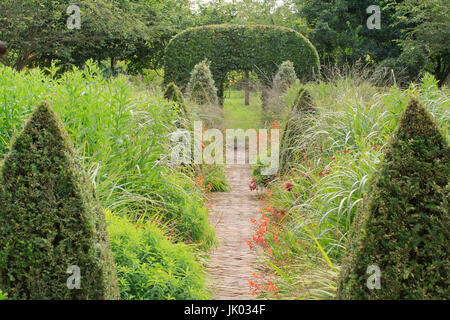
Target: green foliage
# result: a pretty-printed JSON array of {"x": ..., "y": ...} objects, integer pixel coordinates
[
  {"x": 339, "y": 153},
  {"x": 285, "y": 76},
  {"x": 214, "y": 178},
  {"x": 121, "y": 134},
  {"x": 338, "y": 30},
  {"x": 149, "y": 266},
  {"x": 49, "y": 219},
  {"x": 3, "y": 296},
  {"x": 37, "y": 33},
  {"x": 427, "y": 34},
  {"x": 201, "y": 88},
  {"x": 173, "y": 93},
  {"x": 233, "y": 47},
  {"x": 404, "y": 227},
  {"x": 297, "y": 121}
]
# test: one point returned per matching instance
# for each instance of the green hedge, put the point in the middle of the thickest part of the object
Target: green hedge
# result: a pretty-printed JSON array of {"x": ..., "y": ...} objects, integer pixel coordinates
[
  {"x": 232, "y": 47},
  {"x": 404, "y": 226},
  {"x": 50, "y": 219}
]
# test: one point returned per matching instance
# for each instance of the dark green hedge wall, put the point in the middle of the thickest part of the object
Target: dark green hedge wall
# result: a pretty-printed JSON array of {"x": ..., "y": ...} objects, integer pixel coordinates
[{"x": 232, "y": 47}]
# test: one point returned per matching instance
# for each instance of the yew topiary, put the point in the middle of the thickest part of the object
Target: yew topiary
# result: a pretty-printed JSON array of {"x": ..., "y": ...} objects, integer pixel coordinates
[
  {"x": 403, "y": 228},
  {"x": 201, "y": 88},
  {"x": 285, "y": 76},
  {"x": 50, "y": 219},
  {"x": 298, "y": 119}
]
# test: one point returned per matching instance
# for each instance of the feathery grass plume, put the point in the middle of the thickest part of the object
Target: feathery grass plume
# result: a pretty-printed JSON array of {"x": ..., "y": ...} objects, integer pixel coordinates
[
  {"x": 404, "y": 226},
  {"x": 50, "y": 219},
  {"x": 201, "y": 87},
  {"x": 298, "y": 119},
  {"x": 285, "y": 76}
]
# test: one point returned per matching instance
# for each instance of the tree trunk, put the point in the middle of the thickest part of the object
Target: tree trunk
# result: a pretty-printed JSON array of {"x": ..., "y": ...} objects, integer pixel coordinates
[
  {"x": 247, "y": 88},
  {"x": 113, "y": 66}
]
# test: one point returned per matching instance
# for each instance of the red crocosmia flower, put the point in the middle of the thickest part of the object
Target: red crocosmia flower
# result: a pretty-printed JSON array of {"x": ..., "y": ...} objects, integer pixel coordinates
[{"x": 288, "y": 186}]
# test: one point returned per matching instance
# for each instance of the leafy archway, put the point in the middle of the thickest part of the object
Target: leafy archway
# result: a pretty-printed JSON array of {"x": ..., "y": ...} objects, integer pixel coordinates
[{"x": 233, "y": 47}]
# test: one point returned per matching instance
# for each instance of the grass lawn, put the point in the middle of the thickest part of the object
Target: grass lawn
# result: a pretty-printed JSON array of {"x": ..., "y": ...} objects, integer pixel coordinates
[{"x": 239, "y": 116}]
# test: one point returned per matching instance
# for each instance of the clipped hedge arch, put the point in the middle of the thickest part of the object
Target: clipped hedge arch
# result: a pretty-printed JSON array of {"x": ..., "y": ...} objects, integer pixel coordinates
[{"x": 255, "y": 48}]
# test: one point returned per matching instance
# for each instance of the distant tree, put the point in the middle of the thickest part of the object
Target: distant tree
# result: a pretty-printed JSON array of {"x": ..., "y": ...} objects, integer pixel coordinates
[
  {"x": 36, "y": 32},
  {"x": 338, "y": 30},
  {"x": 427, "y": 35}
]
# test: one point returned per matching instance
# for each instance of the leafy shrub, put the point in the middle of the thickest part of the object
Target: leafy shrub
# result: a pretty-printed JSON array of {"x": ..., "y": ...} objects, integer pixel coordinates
[
  {"x": 201, "y": 88},
  {"x": 285, "y": 76},
  {"x": 297, "y": 120},
  {"x": 3, "y": 296},
  {"x": 404, "y": 226},
  {"x": 49, "y": 219},
  {"x": 121, "y": 135},
  {"x": 255, "y": 48},
  {"x": 149, "y": 266}
]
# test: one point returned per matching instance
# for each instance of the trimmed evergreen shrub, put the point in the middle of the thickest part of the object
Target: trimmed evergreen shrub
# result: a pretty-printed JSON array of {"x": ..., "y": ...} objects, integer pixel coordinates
[
  {"x": 404, "y": 227},
  {"x": 173, "y": 93},
  {"x": 50, "y": 219},
  {"x": 255, "y": 48},
  {"x": 285, "y": 76},
  {"x": 298, "y": 119},
  {"x": 201, "y": 88}
]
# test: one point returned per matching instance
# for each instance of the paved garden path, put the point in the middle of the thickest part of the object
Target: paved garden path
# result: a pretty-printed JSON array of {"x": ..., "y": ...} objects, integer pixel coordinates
[{"x": 231, "y": 262}]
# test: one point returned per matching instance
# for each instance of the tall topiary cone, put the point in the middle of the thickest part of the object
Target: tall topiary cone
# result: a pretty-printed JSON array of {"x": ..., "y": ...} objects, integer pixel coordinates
[
  {"x": 404, "y": 226},
  {"x": 201, "y": 87},
  {"x": 50, "y": 219},
  {"x": 285, "y": 76},
  {"x": 295, "y": 124}
]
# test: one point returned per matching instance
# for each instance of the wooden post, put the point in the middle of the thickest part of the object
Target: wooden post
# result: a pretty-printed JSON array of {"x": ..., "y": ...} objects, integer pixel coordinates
[{"x": 247, "y": 88}]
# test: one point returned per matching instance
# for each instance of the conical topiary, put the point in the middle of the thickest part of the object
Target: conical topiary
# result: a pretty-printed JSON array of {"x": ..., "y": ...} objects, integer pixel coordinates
[
  {"x": 173, "y": 93},
  {"x": 50, "y": 220},
  {"x": 297, "y": 121},
  {"x": 285, "y": 76},
  {"x": 403, "y": 229},
  {"x": 201, "y": 87}
]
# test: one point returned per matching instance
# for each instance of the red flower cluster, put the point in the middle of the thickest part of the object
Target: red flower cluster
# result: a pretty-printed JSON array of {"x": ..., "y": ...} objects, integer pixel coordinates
[
  {"x": 255, "y": 287},
  {"x": 252, "y": 185},
  {"x": 288, "y": 186}
]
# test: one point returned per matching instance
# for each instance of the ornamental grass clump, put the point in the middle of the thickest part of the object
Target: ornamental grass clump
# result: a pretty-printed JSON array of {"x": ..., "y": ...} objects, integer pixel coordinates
[
  {"x": 201, "y": 88},
  {"x": 299, "y": 118},
  {"x": 50, "y": 219},
  {"x": 404, "y": 227}
]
